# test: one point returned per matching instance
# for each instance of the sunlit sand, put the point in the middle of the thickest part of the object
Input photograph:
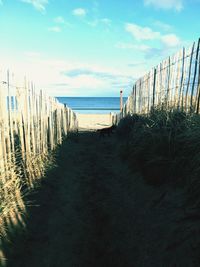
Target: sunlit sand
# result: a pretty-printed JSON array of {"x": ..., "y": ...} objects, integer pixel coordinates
[{"x": 94, "y": 121}]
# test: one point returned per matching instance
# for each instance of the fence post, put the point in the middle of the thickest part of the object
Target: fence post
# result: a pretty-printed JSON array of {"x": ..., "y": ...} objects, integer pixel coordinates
[
  {"x": 154, "y": 86},
  {"x": 194, "y": 77},
  {"x": 198, "y": 91},
  {"x": 189, "y": 75},
  {"x": 182, "y": 76},
  {"x": 168, "y": 82},
  {"x": 121, "y": 100}
]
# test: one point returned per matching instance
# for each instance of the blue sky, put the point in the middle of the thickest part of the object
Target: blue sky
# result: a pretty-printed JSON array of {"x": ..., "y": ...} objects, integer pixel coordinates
[{"x": 92, "y": 47}]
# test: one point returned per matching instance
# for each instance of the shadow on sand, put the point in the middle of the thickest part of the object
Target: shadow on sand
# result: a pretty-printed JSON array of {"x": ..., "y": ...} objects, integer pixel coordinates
[
  {"x": 70, "y": 216},
  {"x": 91, "y": 210}
]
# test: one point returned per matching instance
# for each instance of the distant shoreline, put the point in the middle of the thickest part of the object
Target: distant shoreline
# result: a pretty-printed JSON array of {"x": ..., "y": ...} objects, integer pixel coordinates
[
  {"x": 91, "y": 105},
  {"x": 89, "y": 96}
]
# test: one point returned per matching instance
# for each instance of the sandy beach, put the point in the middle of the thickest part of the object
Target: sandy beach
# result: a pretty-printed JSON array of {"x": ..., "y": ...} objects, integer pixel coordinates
[{"x": 94, "y": 121}]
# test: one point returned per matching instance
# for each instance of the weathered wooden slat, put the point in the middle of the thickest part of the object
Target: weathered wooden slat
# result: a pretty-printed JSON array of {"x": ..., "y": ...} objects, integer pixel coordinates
[
  {"x": 189, "y": 76},
  {"x": 192, "y": 104},
  {"x": 198, "y": 90},
  {"x": 29, "y": 130}
]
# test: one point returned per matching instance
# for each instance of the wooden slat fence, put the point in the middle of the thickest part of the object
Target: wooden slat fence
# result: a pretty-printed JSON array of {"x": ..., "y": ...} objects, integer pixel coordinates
[
  {"x": 174, "y": 84},
  {"x": 31, "y": 125}
]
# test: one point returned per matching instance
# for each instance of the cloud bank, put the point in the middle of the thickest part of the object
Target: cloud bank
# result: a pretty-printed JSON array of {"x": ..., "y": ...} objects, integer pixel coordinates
[{"x": 165, "y": 4}]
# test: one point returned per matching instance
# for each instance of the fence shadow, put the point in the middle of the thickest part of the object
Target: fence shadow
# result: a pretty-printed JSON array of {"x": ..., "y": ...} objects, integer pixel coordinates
[
  {"x": 63, "y": 219},
  {"x": 26, "y": 228}
]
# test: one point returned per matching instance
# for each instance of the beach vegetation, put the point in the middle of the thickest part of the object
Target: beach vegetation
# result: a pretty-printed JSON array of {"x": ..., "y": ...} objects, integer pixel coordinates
[{"x": 164, "y": 146}]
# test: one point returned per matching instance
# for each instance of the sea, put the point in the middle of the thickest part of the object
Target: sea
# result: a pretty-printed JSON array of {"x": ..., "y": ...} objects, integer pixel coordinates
[{"x": 92, "y": 105}]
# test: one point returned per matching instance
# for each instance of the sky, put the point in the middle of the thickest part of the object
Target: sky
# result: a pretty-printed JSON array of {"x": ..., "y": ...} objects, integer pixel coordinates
[{"x": 91, "y": 47}]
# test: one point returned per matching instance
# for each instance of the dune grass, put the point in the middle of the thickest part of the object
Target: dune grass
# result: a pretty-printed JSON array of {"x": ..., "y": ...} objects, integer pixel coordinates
[
  {"x": 15, "y": 189},
  {"x": 164, "y": 145}
]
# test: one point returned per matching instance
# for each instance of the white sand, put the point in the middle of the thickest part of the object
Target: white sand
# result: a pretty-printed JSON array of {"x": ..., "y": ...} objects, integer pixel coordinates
[{"x": 94, "y": 121}]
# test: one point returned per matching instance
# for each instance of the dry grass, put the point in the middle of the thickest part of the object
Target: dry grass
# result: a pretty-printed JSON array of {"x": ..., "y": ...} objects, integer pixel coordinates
[
  {"x": 164, "y": 145},
  {"x": 19, "y": 181}
]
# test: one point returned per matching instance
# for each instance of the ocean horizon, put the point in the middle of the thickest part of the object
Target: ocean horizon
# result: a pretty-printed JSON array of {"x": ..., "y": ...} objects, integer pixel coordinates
[{"x": 92, "y": 105}]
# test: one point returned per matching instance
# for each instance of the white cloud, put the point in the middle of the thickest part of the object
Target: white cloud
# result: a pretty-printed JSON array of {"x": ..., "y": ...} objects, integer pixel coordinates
[
  {"x": 141, "y": 33},
  {"x": 93, "y": 23},
  {"x": 150, "y": 43},
  {"x": 38, "y": 4},
  {"x": 140, "y": 47},
  {"x": 80, "y": 12},
  {"x": 70, "y": 78},
  {"x": 165, "y": 4},
  {"x": 54, "y": 29},
  {"x": 98, "y": 22},
  {"x": 147, "y": 34},
  {"x": 163, "y": 26},
  {"x": 59, "y": 20},
  {"x": 170, "y": 40},
  {"x": 85, "y": 82},
  {"x": 106, "y": 21},
  {"x": 32, "y": 54}
]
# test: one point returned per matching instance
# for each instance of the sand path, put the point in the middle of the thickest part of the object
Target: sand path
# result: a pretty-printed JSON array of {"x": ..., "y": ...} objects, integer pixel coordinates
[
  {"x": 92, "y": 211},
  {"x": 89, "y": 122}
]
